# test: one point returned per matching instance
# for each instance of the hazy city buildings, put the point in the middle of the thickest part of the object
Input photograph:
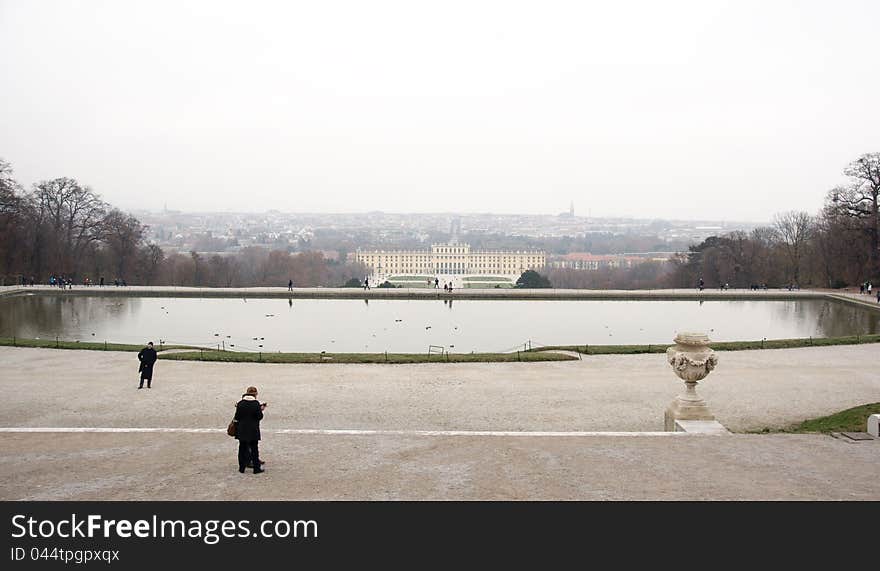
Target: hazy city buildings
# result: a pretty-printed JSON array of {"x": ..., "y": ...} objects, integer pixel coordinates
[{"x": 229, "y": 232}]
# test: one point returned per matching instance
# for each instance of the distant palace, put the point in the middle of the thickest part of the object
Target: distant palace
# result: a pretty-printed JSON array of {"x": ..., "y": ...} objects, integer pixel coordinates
[{"x": 453, "y": 258}]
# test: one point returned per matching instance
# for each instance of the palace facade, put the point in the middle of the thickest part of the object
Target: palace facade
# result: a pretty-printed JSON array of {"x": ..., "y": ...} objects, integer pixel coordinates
[{"x": 446, "y": 259}]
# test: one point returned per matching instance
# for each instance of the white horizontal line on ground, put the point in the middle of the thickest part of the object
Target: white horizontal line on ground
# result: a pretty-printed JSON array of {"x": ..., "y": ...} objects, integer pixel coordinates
[{"x": 331, "y": 432}]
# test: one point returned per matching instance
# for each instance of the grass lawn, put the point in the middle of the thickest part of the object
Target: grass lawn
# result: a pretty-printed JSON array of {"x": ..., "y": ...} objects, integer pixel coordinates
[
  {"x": 410, "y": 284},
  {"x": 850, "y": 420},
  {"x": 412, "y": 278}
]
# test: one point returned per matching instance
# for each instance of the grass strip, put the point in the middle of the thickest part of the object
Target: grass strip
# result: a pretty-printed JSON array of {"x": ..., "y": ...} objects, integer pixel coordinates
[
  {"x": 88, "y": 345},
  {"x": 850, "y": 420},
  {"x": 719, "y": 346},
  {"x": 534, "y": 354},
  {"x": 391, "y": 358}
]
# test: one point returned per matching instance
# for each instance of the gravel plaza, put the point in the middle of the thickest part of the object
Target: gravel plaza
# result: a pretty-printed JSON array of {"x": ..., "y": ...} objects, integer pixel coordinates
[{"x": 587, "y": 429}]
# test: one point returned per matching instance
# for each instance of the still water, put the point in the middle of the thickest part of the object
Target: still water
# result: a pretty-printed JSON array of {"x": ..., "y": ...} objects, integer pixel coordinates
[{"x": 411, "y": 326}]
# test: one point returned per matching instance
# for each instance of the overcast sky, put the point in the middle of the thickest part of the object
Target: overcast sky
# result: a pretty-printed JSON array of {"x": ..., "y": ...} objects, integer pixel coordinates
[{"x": 685, "y": 110}]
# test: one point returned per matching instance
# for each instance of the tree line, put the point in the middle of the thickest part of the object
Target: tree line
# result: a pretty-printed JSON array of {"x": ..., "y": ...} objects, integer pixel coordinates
[
  {"x": 837, "y": 247},
  {"x": 62, "y": 228}
]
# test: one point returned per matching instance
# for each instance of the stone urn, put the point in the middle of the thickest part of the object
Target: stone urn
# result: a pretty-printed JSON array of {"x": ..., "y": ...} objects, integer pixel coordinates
[{"x": 691, "y": 360}]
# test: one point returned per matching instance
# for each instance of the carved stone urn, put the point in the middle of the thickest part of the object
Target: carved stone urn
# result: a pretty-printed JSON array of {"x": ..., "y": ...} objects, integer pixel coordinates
[{"x": 691, "y": 360}]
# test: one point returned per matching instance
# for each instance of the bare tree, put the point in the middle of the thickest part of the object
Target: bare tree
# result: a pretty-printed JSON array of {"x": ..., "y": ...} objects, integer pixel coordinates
[
  {"x": 860, "y": 199},
  {"x": 122, "y": 233},
  {"x": 9, "y": 201},
  {"x": 149, "y": 262},
  {"x": 794, "y": 230},
  {"x": 13, "y": 227},
  {"x": 69, "y": 218}
]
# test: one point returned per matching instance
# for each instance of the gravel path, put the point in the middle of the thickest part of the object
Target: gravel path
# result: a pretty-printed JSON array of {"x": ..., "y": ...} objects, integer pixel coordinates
[
  {"x": 749, "y": 390},
  {"x": 203, "y": 467}
]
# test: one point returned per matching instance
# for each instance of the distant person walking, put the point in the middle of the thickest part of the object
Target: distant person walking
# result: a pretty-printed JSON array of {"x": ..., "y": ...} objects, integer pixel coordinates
[
  {"x": 248, "y": 414},
  {"x": 702, "y": 283},
  {"x": 147, "y": 357},
  {"x": 436, "y": 283},
  {"x": 366, "y": 283},
  {"x": 102, "y": 281},
  {"x": 289, "y": 285}
]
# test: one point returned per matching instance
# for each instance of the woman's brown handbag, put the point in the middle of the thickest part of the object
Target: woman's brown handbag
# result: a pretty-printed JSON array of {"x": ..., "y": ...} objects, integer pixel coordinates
[{"x": 231, "y": 429}]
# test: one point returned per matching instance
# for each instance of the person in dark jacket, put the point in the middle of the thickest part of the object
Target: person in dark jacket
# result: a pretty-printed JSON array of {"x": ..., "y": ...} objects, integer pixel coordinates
[
  {"x": 248, "y": 414},
  {"x": 147, "y": 357}
]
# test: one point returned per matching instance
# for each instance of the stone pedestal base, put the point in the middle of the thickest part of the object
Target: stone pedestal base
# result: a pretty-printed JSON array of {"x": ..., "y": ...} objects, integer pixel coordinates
[
  {"x": 700, "y": 427},
  {"x": 683, "y": 408},
  {"x": 874, "y": 425}
]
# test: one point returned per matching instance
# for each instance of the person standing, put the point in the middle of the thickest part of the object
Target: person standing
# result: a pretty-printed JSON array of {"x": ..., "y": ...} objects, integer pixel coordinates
[
  {"x": 289, "y": 285},
  {"x": 248, "y": 414},
  {"x": 147, "y": 357}
]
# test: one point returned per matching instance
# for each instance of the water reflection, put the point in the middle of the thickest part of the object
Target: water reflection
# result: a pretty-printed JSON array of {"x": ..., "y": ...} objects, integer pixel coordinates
[{"x": 413, "y": 325}]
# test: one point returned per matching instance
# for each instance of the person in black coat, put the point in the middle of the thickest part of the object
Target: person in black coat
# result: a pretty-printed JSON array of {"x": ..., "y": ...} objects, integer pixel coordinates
[
  {"x": 248, "y": 414},
  {"x": 147, "y": 357}
]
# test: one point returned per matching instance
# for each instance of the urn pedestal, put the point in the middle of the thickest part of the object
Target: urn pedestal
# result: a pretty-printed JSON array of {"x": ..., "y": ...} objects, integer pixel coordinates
[{"x": 691, "y": 360}]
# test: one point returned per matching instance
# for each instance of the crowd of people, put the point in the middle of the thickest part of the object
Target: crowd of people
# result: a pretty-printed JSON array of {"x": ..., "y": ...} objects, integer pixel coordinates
[
  {"x": 447, "y": 286},
  {"x": 64, "y": 281},
  {"x": 867, "y": 288}
]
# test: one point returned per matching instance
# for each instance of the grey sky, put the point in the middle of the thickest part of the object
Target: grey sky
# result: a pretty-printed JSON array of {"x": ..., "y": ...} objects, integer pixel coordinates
[{"x": 713, "y": 110}]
